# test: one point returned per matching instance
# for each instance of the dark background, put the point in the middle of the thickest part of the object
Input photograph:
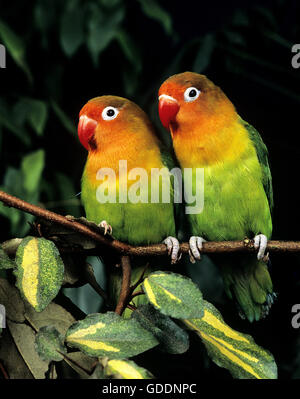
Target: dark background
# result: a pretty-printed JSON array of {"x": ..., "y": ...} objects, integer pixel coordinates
[{"x": 62, "y": 53}]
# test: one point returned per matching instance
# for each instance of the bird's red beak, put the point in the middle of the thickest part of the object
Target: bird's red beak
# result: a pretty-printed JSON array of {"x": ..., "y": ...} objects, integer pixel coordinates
[
  {"x": 167, "y": 109},
  {"x": 86, "y": 129}
]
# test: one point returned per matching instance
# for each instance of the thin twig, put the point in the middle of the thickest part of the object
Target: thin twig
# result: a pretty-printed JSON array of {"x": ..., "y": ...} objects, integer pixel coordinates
[
  {"x": 131, "y": 307},
  {"x": 3, "y": 371},
  {"x": 137, "y": 293},
  {"x": 125, "y": 287},
  {"x": 151, "y": 250},
  {"x": 140, "y": 279},
  {"x": 90, "y": 278}
]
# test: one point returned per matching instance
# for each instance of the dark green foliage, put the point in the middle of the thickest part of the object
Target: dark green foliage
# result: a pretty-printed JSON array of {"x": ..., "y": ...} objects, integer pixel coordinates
[
  {"x": 49, "y": 344},
  {"x": 171, "y": 337},
  {"x": 59, "y": 56}
]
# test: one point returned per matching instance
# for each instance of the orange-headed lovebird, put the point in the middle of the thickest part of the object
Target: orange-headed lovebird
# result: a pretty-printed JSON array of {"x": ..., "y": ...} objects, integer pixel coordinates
[
  {"x": 208, "y": 133},
  {"x": 123, "y": 152}
]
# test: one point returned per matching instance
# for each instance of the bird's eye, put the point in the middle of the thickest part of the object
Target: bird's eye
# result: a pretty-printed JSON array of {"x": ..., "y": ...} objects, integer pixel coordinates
[
  {"x": 109, "y": 113},
  {"x": 191, "y": 94}
]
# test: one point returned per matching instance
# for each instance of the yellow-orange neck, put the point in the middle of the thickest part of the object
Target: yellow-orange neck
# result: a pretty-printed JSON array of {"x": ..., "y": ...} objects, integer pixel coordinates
[
  {"x": 139, "y": 152},
  {"x": 210, "y": 142}
]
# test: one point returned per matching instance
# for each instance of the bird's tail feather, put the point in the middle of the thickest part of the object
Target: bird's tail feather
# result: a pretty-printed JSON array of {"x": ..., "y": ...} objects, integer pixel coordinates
[{"x": 248, "y": 282}]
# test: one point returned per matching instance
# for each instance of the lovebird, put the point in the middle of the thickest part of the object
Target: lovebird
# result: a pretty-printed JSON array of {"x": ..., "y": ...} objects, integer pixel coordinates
[
  {"x": 208, "y": 134},
  {"x": 117, "y": 191}
]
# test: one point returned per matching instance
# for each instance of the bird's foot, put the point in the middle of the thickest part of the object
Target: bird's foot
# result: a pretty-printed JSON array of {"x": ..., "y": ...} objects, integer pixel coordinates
[
  {"x": 92, "y": 225},
  {"x": 173, "y": 249},
  {"x": 107, "y": 227},
  {"x": 195, "y": 244},
  {"x": 260, "y": 243}
]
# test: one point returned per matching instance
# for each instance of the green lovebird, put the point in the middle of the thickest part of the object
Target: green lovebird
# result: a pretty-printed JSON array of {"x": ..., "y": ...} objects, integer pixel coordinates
[
  {"x": 208, "y": 134},
  {"x": 121, "y": 183}
]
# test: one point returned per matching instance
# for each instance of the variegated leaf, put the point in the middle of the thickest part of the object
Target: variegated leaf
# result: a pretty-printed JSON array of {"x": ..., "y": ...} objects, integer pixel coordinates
[
  {"x": 110, "y": 335},
  {"x": 127, "y": 370},
  {"x": 235, "y": 351},
  {"x": 39, "y": 272},
  {"x": 174, "y": 295}
]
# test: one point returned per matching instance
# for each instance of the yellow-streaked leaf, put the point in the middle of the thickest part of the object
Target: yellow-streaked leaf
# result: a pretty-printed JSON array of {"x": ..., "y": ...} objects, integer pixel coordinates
[
  {"x": 174, "y": 295},
  {"x": 110, "y": 335},
  {"x": 39, "y": 272},
  {"x": 235, "y": 351},
  {"x": 127, "y": 370}
]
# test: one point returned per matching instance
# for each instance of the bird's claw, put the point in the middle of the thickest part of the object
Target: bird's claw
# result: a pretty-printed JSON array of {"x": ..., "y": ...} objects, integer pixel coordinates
[
  {"x": 195, "y": 244},
  {"x": 260, "y": 243},
  {"x": 107, "y": 227},
  {"x": 173, "y": 249}
]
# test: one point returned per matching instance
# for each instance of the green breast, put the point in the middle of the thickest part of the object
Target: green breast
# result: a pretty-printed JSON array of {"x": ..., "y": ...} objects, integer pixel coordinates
[
  {"x": 135, "y": 223},
  {"x": 235, "y": 203}
]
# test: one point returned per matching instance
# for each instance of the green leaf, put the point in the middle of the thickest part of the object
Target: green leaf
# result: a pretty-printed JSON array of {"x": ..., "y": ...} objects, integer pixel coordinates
[
  {"x": 69, "y": 201},
  {"x": 12, "y": 359},
  {"x": 11, "y": 246},
  {"x": 67, "y": 123},
  {"x": 204, "y": 53},
  {"x": 102, "y": 29},
  {"x": 98, "y": 373},
  {"x": 24, "y": 338},
  {"x": 240, "y": 18},
  {"x": 10, "y": 125},
  {"x": 40, "y": 271},
  {"x": 81, "y": 363},
  {"x": 231, "y": 349},
  {"x": 10, "y": 298},
  {"x": 153, "y": 10},
  {"x": 32, "y": 167},
  {"x": 129, "y": 49},
  {"x": 110, "y": 3},
  {"x": 110, "y": 335},
  {"x": 174, "y": 295},
  {"x": 15, "y": 46},
  {"x": 44, "y": 15},
  {"x": 12, "y": 185},
  {"x": 35, "y": 111},
  {"x": 71, "y": 30},
  {"x": 54, "y": 315},
  {"x": 5, "y": 261},
  {"x": 171, "y": 337},
  {"x": 49, "y": 344},
  {"x": 127, "y": 370}
]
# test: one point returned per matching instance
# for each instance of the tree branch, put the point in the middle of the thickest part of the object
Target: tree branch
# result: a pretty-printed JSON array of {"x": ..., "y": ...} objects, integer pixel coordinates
[
  {"x": 125, "y": 288},
  {"x": 151, "y": 250}
]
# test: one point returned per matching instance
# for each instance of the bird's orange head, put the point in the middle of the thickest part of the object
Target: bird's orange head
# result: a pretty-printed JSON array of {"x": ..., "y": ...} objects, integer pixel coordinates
[
  {"x": 108, "y": 120},
  {"x": 202, "y": 120},
  {"x": 189, "y": 99}
]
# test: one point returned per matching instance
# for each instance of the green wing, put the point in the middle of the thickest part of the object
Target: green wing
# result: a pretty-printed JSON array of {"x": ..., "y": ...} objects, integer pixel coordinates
[
  {"x": 262, "y": 155},
  {"x": 181, "y": 222}
]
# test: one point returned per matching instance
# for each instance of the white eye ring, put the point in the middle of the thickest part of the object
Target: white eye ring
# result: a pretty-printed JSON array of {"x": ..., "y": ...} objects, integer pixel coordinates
[
  {"x": 109, "y": 113},
  {"x": 187, "y": 96}
]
